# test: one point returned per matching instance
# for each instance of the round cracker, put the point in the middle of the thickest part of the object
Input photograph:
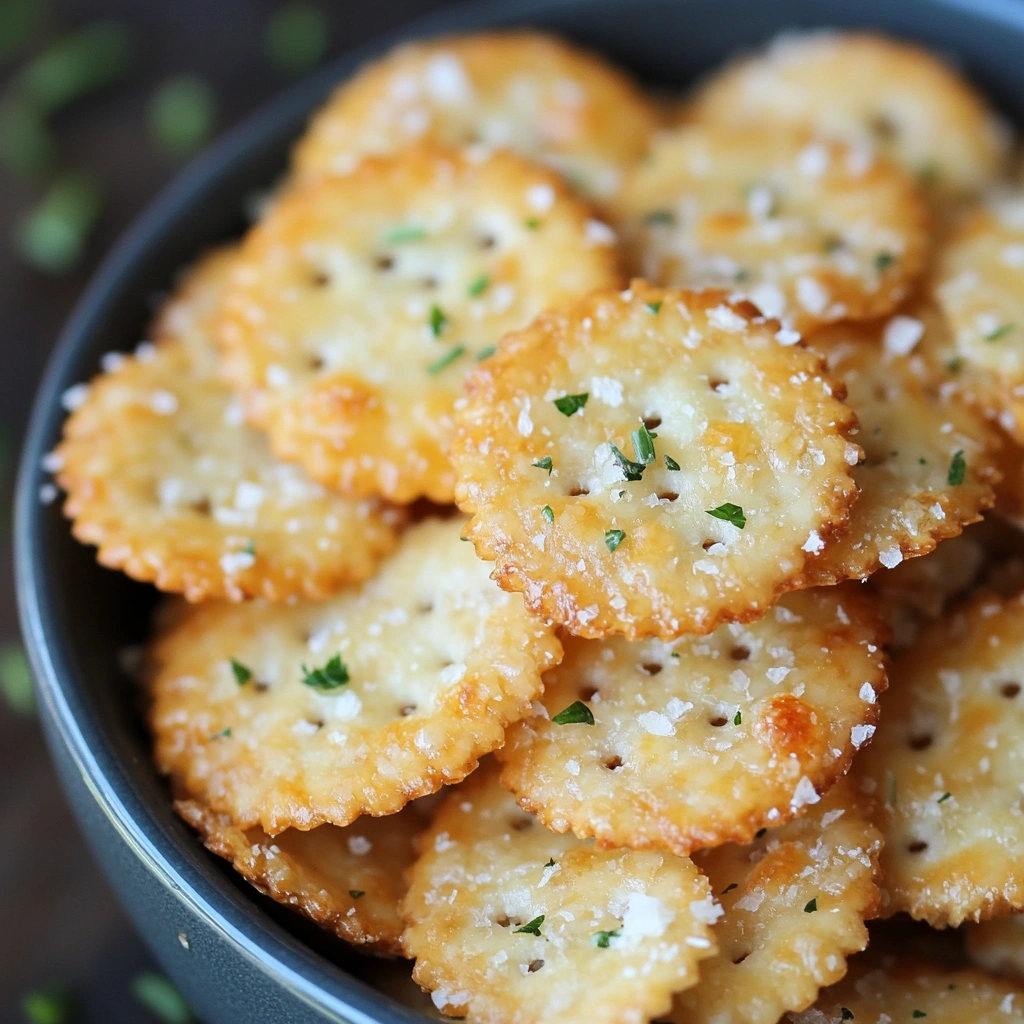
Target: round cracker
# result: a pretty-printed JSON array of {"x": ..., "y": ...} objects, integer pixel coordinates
[
  {"x": 619, "y": 931},
  {"x": 755, "y": 429},
  {"x": 348, "y": 880},
  {"x": 873, "y": 92},
  {"x": 707, "y": 740},
  {"x": 360, "y": 302},
  {"x": 998, "y": 945},
  {"x": 895, "y": 989},
  {"x": 807, "y": 230},
  {"x": 439, "y": 660},
  {"x": 164, "y": 478},
  {"x": 948, "y": 769},
  {"x": 929, "y": 462},
  {"x": 979, "y": 283},
  {"x": 524, "y": 91},
  {"x": 795, "y": 903}
]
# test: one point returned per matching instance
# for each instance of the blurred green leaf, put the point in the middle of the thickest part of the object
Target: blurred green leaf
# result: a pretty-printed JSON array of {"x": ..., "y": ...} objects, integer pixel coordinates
[
  {"x": 16, "y": 686},
  {"x": 296, "y": 37},
  {"x": 161, "y": 998},
  {"x": 52, "y": 236},
  {"x": 181, "y": 114},
  {"x": 80, "y": 63},
  {"x": 19, "y": 22},
  {"x": 27, "y": 147}
]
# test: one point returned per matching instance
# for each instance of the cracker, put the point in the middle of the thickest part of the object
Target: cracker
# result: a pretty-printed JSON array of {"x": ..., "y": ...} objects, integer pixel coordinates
[
  {"x": 163, "y": 477},
  {"x": 872, "y": 92},
  {"x": 707, "y": 740},
  {"x": 947, "y": 767},
  {"x": 523, "y": 91},
  {"x": 929, "y": 462},
  {"x": 512, "y": 924},
  {"x": 795, "y": 903},
  {"x": 360, "y": 302},
  {"x": 802, "y": 228},
  {"x": 348, "y": 880},
  {"x": 252, "y": 714},
  {"x": 997, "y": 946},
  {"x": 979, "y": 284},
  {"x": 881, "y": 989},
  {"x": 755, "y": 430}
]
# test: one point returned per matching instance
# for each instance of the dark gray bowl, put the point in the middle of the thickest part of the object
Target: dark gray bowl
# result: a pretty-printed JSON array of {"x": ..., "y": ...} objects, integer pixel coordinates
[{"x": 236, "y": 956}]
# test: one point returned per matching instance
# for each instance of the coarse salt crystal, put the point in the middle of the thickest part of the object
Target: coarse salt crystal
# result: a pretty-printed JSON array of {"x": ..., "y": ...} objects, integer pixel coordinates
[
  {"x": 598, "y": 233},
  {"x": 74, "y": 396},
  {"x": 891, "y": 557},
  {"x": 804, "y": 794},
  {"x": 360, "y": 845},
  {"x": 540, "y": 197},
  {"x": 860, "y": 734},
  {"x": 901, "y": 335},
  {"x": 814, "y": 543},
  {"x": 237, "y": 561},
  {"x": 726, "y": 319},
  {"x": 656, "y": 724}
]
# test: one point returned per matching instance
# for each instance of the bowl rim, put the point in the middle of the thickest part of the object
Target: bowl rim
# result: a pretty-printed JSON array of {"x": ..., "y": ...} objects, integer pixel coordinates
[{"x": 307, "y": 975}]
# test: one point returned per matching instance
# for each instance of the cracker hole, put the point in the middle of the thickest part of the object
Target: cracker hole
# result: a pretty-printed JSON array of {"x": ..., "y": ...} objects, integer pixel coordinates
[
  {"x": 406, "y": 709},
  {"x": 260, "y": 687},
  {"x": 588, "y": 693},
  {"x": 921, "y": 742},
  {"x": 917, "y": 846},
  {"x": 652, "y": 422},
  {"x": 520, "y": 824},
  {"x": 487, "y": 241},
  {"x": 1010, "y": 690},
  {"x": 425, "y": 607},
  {"x": 613, "y": 762},
  {"x": 429, "y": 282},
  {"x": 316, "y": 363},
  {"x": 740, "y": 958},
  {"x": 717, "y": 384},
  {"x": 651, "y": 668},
  {"x": 503, "y": 921},
  {"x": 385, "y": 263},
  {"x": 718, "y": 721},
  {"x": 709, "y": 543},
  {"x": 668, "y": 496},
  {"x": 739, "y": 653},
  {"x": 883, "y": 128},
  {"x": 202, "y": 507},
  {"x": 577, "y": 492},
  {"x": 315, "y": 722},
  {"x": 321, "y": 279},
  {"x": 535, "y": 966}
]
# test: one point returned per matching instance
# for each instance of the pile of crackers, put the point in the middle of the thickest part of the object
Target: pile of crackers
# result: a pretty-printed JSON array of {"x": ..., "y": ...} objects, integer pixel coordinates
[{"x": 554, "y": 479}]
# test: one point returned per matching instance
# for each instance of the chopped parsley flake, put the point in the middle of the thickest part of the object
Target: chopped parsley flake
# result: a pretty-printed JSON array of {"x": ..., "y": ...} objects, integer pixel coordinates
[
  {"x": 568, "y": 404},
  {"x": 544, "y": 463},
  {"x": 1000, "y": 332},
  {"x": 479, "y": 286},
  {"x": 890, "y": 788},
  {"x": 883, "y": 261},
  {"x": 54, "y": 1006},
  {"x": 760, "y": 832},
  {"x": 405, "y": 233},
  {"x": 532, "y": 927},
  {"x": 917, "y": 1014},
  {"x": 550, "y": 863},
  {"x": 602, "y": 939},
  {"x": 447, "y": 359},
  {"x": 643, "y": 445},
  {"x": 241, "y": 672},
  {"x": 577, "y": 713},
  {"x": 223, "y": 734},
  {"x": 333, "y": 675},
  {"x": 741, "y": 275},
  {"x": 730, "y": 513},
  {"x": 738, "y": 720},
  {"x": 957, "y": 470},
  {"x": 955, "y": 365},
  {"x": 486, "y": 353},
  {"x": 942, "y": 799},
  {"x": 548, "y": 513},
  {"x": 438, "y": 320},
  {"x": 630, "y": 470},
  {"x": 356, "y": 893},
  {"x": 833, "y": 243},
  {"x": 674, "y": 654},
  {"x": 654, "y": 307},
  {"x": 845, "y": 1014},
  {"x": 613, "y": 538},
  {"x": 729, "y": 888},
  {"x": 811, "y": 906},
  {"x": 671, "y": 463},
  {"x": 660, "y": 217},
  {"x": 928, "y": 173},
  {"x": 161, "y": 998},
  {"x": 532, "y": 223}
]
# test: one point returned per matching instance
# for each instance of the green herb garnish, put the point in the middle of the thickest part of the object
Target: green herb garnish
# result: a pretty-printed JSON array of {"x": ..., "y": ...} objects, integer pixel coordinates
[
  {"x": 957, "y": 470},
  {"x": 671, "y": 463},
  {"x": 438, "y": 320},
  {"x": 51, "y": 237},
  {"x": 479, "y": 286},
  {"x": 241, "y": 672},
  {"x": 942, "y": 799},
  {"x": 660, "y": 217},
  {"x": 613, "y": 538},
  {"x": 16, "y": 679},
  {"x": 53, "y": 1006},
  {"x": 1000, "y": 332},
  {"x": 955, "y": 364},
  {"x": 332, "y": 676},
  {"x": 738, "y": 720},
  {"x": 296, "y": 37},
  {"x": 356, "y": 893},
  {"x": 643, "y": 445},
  {"x": 602, "y": 939},
  {"x": 630, "y": 470},
  {"x": 222, "y": 735},
  {"x": 577, "y": 713},
  {"x": 654, "y": 307},
  {"x": 544, "y": 463},
  {"x": 405, "y": 233},
  {"x": 547, "y": 513},
  {"x": 182, "y": 112},
  {"x": 883, "y": 261},
  {"x": 486, "y": 353},
  {"x": 447, "y": 359},
  {"x": 161, "y": 998},
  {"x": 550, "y": 863},
  {"x": 531, "y": 927},
  {"x": 532, "y": 223},
  {"x": 568, "y": 404},
  {"x": 730, "y": 513},
  {"x": 918, "y": 1014},
  {"x": 811, "y": 906},
  {"x": 729, "y": 888}
]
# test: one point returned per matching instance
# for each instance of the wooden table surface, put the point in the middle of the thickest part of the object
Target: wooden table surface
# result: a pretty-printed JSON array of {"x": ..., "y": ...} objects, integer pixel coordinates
[{"x": 59, "y": 923}]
